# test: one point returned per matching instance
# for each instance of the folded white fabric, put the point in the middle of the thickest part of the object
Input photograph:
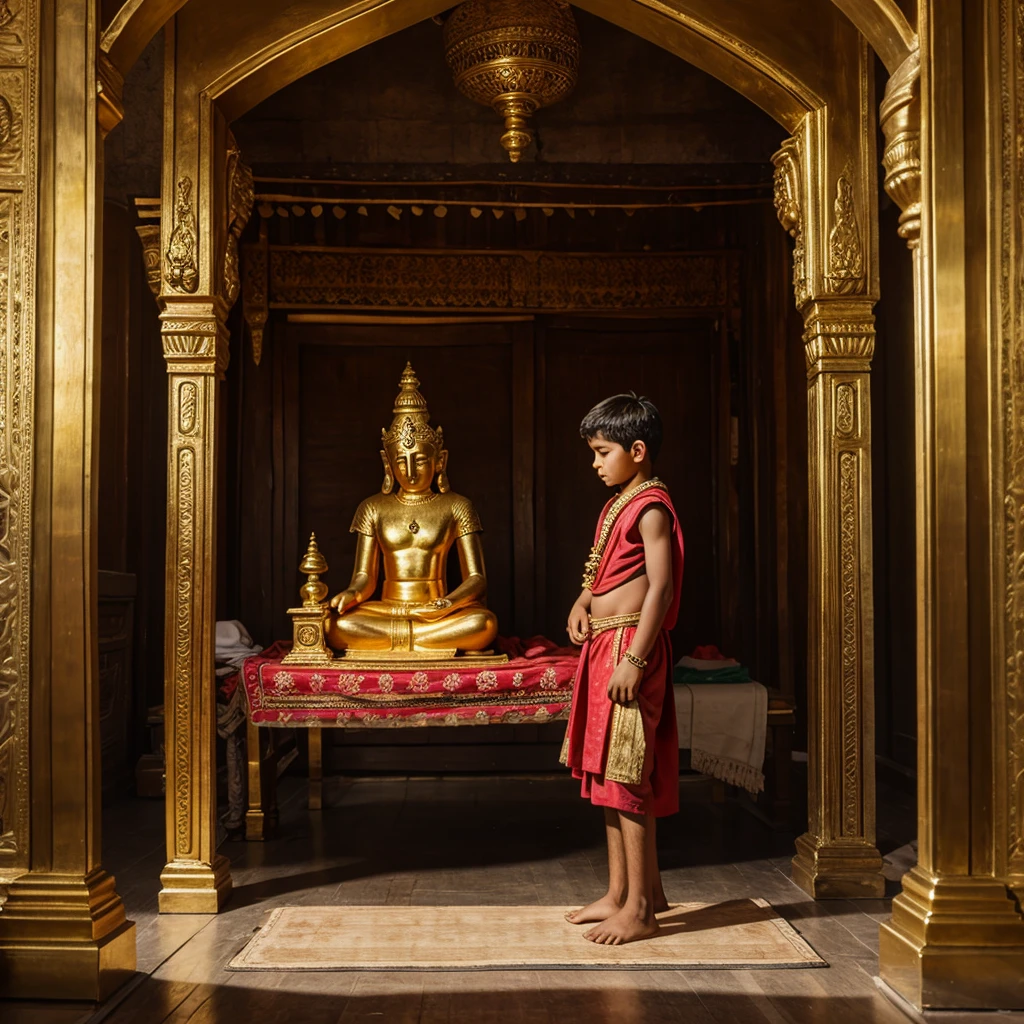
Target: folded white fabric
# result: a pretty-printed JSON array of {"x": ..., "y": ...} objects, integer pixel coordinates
[
  {"x": 233, "y": 643},
  {"x": 231, "y": 632},
  {"x": 725, "y": 727}
]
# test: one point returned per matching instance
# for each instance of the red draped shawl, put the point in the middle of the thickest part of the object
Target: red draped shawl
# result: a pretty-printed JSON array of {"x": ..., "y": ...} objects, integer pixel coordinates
[{"x": 620, "y": 557}]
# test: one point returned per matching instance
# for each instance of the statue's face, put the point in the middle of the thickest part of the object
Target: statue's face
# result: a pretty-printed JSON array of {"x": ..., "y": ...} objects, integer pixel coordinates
[{"x": 413, "y": 468}]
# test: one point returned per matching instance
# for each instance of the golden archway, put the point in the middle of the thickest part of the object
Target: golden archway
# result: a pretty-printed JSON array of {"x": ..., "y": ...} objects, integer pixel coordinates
[
  {"x": 222, "y": 65},
  {"x": 813, "y": 74}
]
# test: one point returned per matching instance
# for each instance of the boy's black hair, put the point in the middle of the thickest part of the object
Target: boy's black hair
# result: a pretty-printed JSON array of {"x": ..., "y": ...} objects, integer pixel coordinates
[{"x": 625, "y": 419}]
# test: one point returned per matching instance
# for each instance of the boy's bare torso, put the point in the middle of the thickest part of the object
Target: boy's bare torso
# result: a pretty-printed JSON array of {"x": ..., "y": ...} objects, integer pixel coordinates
[{"x": 626, "y": 599}]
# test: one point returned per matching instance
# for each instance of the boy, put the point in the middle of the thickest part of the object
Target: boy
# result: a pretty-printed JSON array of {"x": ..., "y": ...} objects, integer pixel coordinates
[{"x": 621, "y": 741}]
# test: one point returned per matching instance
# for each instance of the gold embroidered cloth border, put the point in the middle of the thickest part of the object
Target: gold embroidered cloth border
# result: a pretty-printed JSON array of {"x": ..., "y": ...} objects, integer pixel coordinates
[{"x": 536, "y": 688}]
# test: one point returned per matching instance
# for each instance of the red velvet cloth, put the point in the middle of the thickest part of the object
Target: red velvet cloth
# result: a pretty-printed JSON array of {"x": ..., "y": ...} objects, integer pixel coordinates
[
  {"x": 590, "y": 722},
  {"x": 623, "y": 557},
  {"x": 534, "y": 686}
]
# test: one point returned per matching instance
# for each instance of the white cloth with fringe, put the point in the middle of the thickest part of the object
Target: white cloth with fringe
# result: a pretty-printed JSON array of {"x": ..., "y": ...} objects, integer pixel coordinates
[{"x": 724, "y": 725}]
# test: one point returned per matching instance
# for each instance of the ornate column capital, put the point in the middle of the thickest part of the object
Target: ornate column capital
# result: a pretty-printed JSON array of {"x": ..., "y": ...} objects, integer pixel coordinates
[
  {"x": 195, "y": 335},
  {"x": 149, "y": 235},
  {"x": 839, "y": 335},
  {"x": 900, "y": 118}
]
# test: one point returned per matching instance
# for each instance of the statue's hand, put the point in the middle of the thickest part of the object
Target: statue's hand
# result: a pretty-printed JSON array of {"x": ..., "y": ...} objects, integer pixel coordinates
[
  {"x": 342, "y": 601},
  {"x": 432, "y": 611}
]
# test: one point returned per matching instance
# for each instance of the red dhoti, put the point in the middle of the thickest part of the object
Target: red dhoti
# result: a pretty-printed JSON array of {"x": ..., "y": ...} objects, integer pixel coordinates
[{"x": 627, "y": 757}]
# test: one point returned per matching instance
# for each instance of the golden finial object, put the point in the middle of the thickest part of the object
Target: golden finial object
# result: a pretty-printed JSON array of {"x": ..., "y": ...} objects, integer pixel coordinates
[
  {"x": 310, "y": 619},
  {"x": 313, "y": 591},
  {"x": 409, "y": 398},
  {"x": 513, "y": 56}
]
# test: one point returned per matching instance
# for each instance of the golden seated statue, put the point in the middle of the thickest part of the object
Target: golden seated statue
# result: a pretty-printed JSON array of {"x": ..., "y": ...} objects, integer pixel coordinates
[{"x": 413, "y": 529}]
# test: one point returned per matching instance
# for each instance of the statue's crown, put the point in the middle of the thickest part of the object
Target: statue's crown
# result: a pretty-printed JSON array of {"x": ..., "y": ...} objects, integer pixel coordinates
[{"x": 411, "y": 425}]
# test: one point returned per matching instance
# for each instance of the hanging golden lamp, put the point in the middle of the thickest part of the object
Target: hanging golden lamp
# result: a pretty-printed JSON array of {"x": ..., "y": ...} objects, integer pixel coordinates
[{"x": 515, "y": 56}]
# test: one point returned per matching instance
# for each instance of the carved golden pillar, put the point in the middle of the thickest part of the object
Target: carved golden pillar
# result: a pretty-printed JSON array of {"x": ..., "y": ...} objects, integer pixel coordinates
[
  {"x": 195, "y": 342},
  {"x": 837, "y": 856},
  {"x": 63, "y": 931},
  {"x": 195, "y": 880},
  {"x": 956, "y": 936}
]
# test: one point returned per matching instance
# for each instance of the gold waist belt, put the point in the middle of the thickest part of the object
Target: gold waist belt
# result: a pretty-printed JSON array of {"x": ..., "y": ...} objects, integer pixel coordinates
[{"x": 613, "y": 622}]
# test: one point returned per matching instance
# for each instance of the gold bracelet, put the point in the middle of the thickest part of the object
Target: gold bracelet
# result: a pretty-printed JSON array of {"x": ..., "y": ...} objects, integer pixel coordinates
[{"x": 640, "y": 663}]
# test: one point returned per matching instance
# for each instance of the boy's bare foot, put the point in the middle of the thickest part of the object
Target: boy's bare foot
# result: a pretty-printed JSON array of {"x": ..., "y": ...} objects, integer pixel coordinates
[
  {"x": 661, "y": 904},
  {"x": 627, "y": 925},
  {"x": 599, "y": 910}
]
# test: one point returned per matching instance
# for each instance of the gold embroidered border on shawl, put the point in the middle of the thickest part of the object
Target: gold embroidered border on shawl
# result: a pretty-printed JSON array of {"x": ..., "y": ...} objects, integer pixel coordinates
[{"x": 593, "y": 564}]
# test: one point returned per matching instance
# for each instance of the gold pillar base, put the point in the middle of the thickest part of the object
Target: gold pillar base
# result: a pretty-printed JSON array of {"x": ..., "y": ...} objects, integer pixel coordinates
[
  {"x": 192, "y": 887},
  {"x": 954, "y": 944},
  {"x": 65, "y": 937},
  {"x": 846, "y": 870},
  {"x": 260, "y": 825}
]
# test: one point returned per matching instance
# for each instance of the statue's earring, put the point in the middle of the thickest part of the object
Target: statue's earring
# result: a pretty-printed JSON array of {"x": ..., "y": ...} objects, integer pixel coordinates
[
  {"x": 389, "y": 480},
  {"x": 442, "y": 474}
]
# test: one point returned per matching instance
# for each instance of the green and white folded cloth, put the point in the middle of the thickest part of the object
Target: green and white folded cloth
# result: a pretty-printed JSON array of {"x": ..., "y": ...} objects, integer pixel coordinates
[{"x": 719, "y": 670}]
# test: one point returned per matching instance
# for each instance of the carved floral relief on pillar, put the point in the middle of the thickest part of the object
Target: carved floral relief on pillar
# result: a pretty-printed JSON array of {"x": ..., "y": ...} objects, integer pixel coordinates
[
  {"x": 12, "y": 119},
  {"x": 845, "y": 248},
  {"x": 15, "y": 511},
  {"x": 788, "y": 206},
  {"x": 195, "y": 349},
  {"x": 240, "y": 191},
  {"x": 18, "y": 104},
  {"x": 182, "y": 250},
  {"x": 1008, "y": 396}
]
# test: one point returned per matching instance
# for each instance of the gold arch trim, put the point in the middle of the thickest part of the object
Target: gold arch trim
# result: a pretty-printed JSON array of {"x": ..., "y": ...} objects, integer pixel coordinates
[{"x": 272, "y": 51}]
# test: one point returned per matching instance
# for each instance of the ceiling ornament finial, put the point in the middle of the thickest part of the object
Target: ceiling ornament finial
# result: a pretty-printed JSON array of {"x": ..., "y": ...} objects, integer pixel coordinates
[{"x": 515, "y": 56}]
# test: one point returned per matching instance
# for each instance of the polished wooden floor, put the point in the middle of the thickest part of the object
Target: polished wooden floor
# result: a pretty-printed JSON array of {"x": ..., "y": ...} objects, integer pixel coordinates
[{"x": 477, "y": 841}]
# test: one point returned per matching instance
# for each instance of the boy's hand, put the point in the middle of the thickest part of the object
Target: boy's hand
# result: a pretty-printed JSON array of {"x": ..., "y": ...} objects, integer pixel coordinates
[
  {"x": 579, "y": 624},
  {"x": 624, "y": 683}
]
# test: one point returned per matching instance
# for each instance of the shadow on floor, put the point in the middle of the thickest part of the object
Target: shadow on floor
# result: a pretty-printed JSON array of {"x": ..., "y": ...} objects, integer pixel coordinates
[{"x": 608, "y": 996}]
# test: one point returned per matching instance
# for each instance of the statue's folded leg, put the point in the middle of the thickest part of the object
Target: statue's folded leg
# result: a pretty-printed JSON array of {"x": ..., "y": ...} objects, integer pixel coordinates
[
  {"x": 361, "y": 628},
  {"x": 373, "y": 626},
  {"x": 469, "y": 629}
]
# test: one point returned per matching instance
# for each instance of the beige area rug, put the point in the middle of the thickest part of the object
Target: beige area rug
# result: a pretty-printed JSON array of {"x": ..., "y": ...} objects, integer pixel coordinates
[{"x": 733, "y": 934}]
